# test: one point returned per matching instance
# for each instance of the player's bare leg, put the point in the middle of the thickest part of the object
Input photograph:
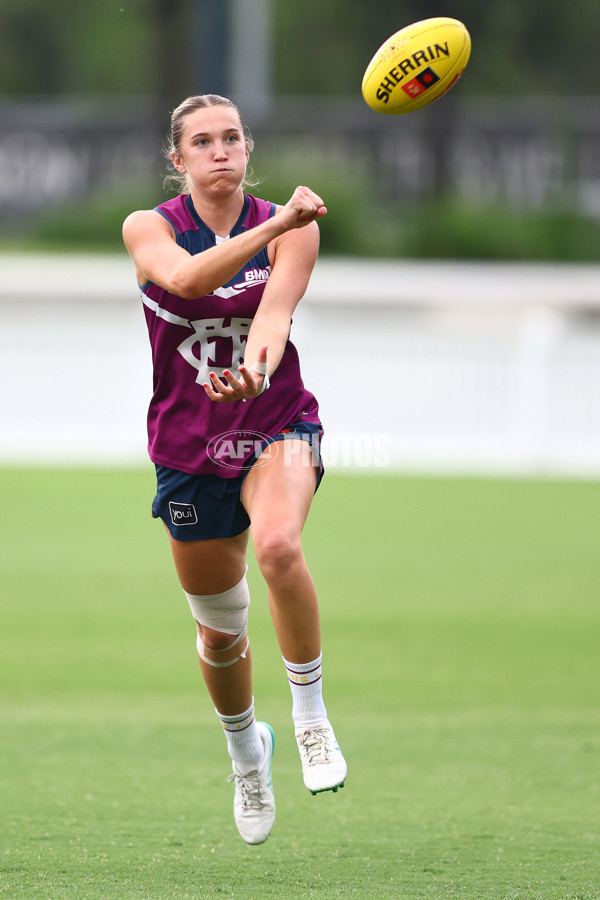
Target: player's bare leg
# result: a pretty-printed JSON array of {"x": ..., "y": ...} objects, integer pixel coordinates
[
  {"x": 277, "y": 497},
  {"x": 212, "y": 573},
  {"x": 212, "y": 567}
]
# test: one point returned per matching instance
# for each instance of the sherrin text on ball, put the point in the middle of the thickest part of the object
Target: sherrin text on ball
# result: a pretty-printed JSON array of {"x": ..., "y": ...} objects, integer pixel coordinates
[{"x": 416, "y": 65}]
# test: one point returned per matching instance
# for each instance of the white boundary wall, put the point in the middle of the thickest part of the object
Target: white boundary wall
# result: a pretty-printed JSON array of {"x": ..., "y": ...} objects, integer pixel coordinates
[{"x": 418, "y": 366}]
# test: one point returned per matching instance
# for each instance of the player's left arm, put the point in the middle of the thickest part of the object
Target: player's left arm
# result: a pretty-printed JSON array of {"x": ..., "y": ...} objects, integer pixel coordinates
[{"x": 293, "y": 256}]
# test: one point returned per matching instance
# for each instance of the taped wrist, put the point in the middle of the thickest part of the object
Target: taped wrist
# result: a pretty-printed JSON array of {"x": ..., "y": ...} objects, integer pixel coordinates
[{"x": 260, "y": 368}]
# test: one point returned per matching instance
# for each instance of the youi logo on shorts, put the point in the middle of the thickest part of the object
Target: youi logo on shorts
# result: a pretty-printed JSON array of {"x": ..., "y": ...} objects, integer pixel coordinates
[
  {"x": 183, "y": 513},
  {"x": 239, "y": 449}
]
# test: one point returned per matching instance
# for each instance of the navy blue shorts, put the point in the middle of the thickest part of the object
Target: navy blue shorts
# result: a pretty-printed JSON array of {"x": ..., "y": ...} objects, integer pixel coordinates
[{"x": 205, "y": 507}]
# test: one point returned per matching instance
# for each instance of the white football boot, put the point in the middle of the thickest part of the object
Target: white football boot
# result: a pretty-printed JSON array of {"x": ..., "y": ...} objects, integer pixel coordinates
[
  {"x": 253, "y": 800},
  {"x": 323, "y": 765}
]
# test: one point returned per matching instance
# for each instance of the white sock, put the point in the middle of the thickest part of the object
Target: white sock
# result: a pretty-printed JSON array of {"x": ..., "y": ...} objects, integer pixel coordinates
[
  {"x": 306, "y": 686},
  {"x": 244, "y": 743}
]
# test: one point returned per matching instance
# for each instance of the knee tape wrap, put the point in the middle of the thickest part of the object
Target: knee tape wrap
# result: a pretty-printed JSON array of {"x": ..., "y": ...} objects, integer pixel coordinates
[
  {"x": 222, "y": 664},
  {"x": 226, "y": 612}
]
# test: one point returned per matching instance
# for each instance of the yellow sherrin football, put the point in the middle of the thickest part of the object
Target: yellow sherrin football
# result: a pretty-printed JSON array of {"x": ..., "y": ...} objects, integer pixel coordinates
[{"x": 416, "y": 65}]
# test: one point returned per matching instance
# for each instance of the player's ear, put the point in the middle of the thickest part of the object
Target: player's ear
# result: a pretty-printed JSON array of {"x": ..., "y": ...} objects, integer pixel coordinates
[{"x": 177, "y": 161}]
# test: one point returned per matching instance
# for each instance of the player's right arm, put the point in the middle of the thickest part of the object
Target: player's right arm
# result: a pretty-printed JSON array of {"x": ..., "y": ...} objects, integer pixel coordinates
[
  {"x": 151, "y": 243},
  {"x": 157, "y": 257}
]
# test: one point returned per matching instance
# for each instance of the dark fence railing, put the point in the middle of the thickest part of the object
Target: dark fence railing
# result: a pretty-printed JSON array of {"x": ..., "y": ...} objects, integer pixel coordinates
[{"x": 529, "y": 152}]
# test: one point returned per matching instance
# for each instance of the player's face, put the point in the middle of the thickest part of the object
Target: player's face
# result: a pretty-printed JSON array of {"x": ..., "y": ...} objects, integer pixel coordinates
[{"x": 214, "y": 152}]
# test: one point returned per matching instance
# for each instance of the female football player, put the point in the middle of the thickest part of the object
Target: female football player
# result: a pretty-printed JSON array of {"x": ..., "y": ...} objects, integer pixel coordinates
[{"x": 234, "y": 434}]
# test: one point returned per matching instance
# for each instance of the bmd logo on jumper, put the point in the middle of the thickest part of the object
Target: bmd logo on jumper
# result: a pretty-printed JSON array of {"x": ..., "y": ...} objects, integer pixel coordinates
[{"x": 183, "y": 513}]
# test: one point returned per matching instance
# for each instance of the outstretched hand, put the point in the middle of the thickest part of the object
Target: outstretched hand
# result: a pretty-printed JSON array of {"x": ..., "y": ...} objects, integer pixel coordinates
[
  {"x": 304, "y": 206},
  {"x": 249, "y": 385}
]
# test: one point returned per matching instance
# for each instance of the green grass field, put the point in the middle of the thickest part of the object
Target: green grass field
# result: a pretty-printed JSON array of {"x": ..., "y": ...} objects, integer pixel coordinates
[{"x": 462, "y": 674}]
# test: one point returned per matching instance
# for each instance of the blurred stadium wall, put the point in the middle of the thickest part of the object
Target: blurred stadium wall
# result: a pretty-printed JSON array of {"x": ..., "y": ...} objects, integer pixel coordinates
[
  {"x": 418, "y": 366},
  {"x": 531, "y": 153}
]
